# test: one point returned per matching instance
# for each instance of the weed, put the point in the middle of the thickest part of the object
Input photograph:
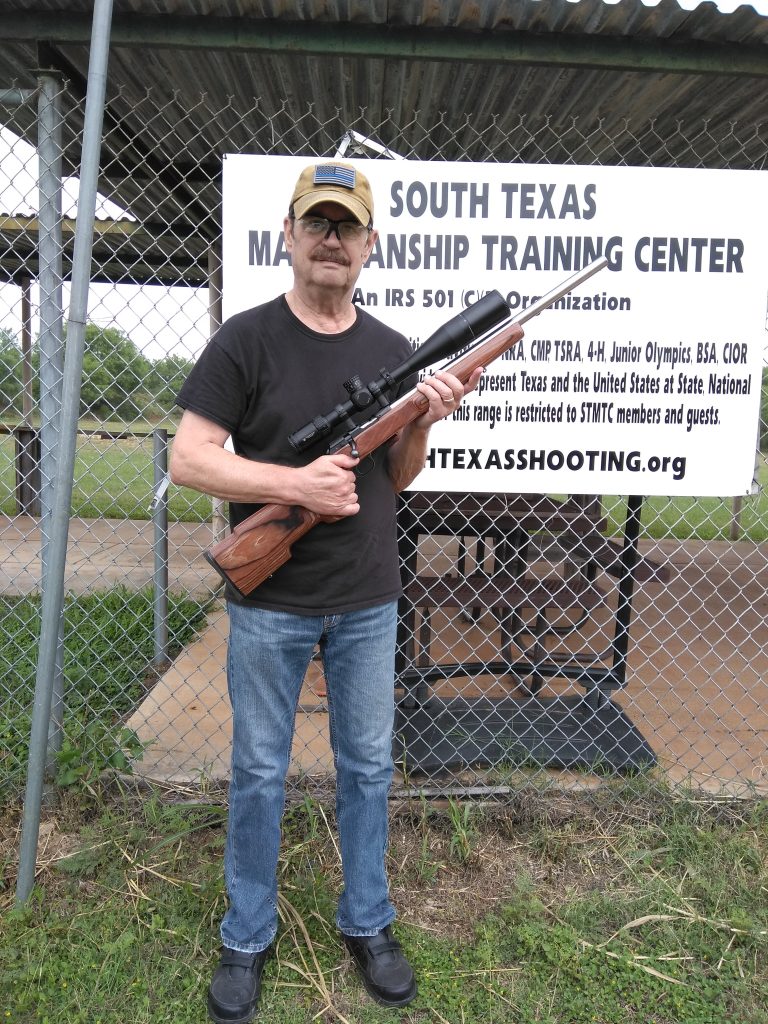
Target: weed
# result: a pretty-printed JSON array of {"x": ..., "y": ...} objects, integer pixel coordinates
[
  {"x": 426, "y": 867},
  {"x": 462, "y": 817},
  {"x": 81, "y": 760}
]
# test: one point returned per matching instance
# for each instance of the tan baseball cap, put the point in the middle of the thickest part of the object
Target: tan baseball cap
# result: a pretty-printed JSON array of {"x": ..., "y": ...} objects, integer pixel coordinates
[{"x": 333, "y": 182}]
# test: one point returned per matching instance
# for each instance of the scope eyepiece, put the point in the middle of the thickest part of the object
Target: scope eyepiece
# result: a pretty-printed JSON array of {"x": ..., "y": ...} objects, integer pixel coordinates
[{"x": 309, "y": 433}]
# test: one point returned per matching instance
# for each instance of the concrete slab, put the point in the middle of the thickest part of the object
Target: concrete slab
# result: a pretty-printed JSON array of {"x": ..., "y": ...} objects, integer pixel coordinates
[
  {"x": 697, "y": 682},
  {"x": 186, "y": 719},
  {"x": 106, "y": 553}
]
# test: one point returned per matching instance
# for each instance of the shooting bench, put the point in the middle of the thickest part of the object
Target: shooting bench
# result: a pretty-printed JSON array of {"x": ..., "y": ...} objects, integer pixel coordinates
[{"x": 529, "y": 575}]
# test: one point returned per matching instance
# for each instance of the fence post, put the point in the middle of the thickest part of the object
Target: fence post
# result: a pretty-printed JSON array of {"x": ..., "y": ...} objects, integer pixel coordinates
[
  {"x": 27, "y": 459},
  {"x": 50, "y": 276},
  {"x": 160, "y": 523},
  {"x": 218, "y": 519},
  {"x": 53, "y": 594}
]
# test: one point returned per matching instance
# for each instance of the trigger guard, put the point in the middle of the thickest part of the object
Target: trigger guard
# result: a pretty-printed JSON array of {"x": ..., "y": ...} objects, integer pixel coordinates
[{"x": 365, "y": 466}]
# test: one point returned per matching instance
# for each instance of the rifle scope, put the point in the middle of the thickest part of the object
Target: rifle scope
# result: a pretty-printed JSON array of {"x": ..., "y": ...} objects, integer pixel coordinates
[{"x": 459, "y": 332}]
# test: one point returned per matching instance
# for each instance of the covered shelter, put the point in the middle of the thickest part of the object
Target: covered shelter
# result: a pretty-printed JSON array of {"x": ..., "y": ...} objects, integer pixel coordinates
[{"x": 180, "y": 83}]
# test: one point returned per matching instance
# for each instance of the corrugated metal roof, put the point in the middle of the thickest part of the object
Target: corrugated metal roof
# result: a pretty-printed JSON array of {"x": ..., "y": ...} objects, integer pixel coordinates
[
  {"x": 290, "y": 77},
  {"x": 661, "y": 19},
  {"x": 530, "y": 80}
]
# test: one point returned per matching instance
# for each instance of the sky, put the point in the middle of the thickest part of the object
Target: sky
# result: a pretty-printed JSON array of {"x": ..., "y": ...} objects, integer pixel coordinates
[
  {"x": 725, "y": 6},
  {"x": 160, "y": 321}
]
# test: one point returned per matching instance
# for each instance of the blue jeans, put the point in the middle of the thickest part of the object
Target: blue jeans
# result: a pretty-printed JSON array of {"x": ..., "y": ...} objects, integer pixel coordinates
[{"x": 268, "y": 656}]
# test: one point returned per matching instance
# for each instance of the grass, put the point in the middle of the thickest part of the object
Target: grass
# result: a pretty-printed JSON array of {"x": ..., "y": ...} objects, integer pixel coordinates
[
  {"x": 631, "y": 907},
  {"x": 107, "y": 656},
  {"x": 114, "y": 479},
  {"x": 697, "y": 518}
]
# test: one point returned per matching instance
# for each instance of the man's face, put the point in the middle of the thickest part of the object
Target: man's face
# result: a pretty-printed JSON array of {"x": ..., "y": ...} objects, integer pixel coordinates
[{"x": 327, "y": 262}]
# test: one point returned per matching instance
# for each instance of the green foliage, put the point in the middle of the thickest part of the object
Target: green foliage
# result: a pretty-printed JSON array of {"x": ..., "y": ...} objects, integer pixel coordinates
[
  {"x": 118, "y": 382},
  {"x": 462, "y": 815},
  {"x": 114, "y": 375},
  {"x": 11, "y": 379},
  {"x": 165, "y": 379},
  {"x": 108, "y": 648},
  {"x": 98, "y": 748}
]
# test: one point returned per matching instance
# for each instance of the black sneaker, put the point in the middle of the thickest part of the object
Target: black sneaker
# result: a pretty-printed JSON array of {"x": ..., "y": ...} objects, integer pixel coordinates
[
  {"x": 233, "y": 996},
  {"x": 386, "y": 974}
]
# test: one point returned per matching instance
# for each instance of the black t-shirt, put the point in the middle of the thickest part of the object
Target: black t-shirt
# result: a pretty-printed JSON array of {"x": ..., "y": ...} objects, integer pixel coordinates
[{"x": 263, "y": 375}]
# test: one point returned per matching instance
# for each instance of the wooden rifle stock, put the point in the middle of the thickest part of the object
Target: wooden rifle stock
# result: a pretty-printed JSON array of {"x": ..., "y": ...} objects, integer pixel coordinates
[{"x": 262, "y": 542}]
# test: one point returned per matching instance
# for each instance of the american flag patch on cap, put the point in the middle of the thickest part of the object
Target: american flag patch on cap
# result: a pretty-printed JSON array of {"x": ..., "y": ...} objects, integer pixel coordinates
[{"x": 333, "y": 174}]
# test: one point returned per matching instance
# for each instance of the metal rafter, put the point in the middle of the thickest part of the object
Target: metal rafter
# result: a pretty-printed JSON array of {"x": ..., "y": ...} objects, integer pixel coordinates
[{"x": 502, "y": 46}]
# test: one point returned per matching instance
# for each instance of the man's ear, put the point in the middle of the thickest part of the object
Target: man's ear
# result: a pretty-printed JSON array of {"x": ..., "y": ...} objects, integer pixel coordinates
[
  {"x": 369, "y": 245},
  {"x": 288, "y": 233}
]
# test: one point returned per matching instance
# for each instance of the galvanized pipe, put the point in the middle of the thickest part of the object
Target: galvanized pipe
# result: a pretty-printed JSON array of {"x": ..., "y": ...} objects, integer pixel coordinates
[
  {"x": 160, "y": 544},
  {"x": 53, "y": 596},
  {"x": 51, "y": 342}
]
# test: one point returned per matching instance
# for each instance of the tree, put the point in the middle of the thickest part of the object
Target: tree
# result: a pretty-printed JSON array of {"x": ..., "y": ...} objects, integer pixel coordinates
[
  {"x": 167, "y": 376},
  {"x": 118, "y": 381},
  {"x": 115, "y": 375},
  {"x": 11, "y": 375}
]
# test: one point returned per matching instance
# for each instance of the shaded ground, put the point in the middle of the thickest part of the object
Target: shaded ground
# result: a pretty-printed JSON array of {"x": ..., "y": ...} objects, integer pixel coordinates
[{"x": 697, "y": 680}]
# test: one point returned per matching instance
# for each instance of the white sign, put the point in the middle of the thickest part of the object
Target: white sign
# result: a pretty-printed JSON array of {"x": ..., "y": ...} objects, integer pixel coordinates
[{"x": 645, "y": 381}]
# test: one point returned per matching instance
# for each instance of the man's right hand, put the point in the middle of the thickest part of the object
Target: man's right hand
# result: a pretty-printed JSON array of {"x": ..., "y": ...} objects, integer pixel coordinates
[
  {"x": 200, "y": 460},
  {"x": 327, "y": 486}
]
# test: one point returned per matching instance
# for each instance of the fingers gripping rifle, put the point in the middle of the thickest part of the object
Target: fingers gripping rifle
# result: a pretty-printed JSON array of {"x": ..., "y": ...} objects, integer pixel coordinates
[{"x": 262, "y": 543}]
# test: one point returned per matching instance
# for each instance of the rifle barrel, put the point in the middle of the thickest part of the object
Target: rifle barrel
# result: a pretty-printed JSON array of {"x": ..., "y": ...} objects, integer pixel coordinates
[{"x": 574, "y": 281}]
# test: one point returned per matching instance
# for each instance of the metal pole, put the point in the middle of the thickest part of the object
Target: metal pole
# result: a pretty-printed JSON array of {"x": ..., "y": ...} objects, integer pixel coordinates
[
  {"x": 736, "y": 508},
  {"x": 53, "y": 596},
  {"x": 399, "y": 42},
  {"x": 26, "y": 350},
  {"x": 160, "y": 529},
  {"x": 629, "y": 560},
  {"x": 218, "y": 519},
  {"x": 51, "y": 343}
]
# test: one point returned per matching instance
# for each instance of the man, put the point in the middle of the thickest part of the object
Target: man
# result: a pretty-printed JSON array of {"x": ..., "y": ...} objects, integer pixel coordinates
[{"x": 263, "y": 374}]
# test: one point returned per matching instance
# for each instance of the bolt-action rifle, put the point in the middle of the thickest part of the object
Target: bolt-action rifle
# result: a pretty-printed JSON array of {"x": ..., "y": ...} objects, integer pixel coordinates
[{"x": 261, "y": 543}]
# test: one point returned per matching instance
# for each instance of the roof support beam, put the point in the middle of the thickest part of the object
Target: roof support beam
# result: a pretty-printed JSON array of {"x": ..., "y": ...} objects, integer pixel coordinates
[{"x": 501, "y": 46}]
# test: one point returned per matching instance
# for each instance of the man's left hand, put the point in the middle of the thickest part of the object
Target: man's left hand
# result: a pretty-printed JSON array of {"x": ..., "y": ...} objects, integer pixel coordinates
[{"x": 444, "y": 393}]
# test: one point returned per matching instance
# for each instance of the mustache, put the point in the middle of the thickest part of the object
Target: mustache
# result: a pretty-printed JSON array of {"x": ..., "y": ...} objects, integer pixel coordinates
[{"x": 330, "y": 256}]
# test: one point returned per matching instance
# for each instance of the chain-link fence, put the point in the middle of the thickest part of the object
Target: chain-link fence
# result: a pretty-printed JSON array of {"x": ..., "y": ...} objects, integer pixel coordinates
[{"x": 541, "y": 637}]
